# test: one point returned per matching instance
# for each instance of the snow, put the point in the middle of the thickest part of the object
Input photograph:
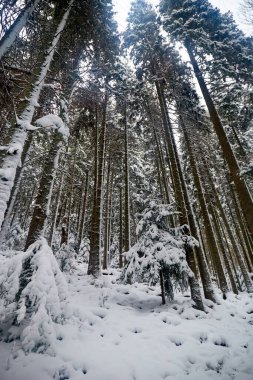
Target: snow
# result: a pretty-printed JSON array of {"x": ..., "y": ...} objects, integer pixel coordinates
[
  {"x": 12, "y": 161},
  {"x": 113, "y": 331},
  {"x": 54, "y": 122},
  {"x": 41, "y": 300},
  {"x": 8, "y": 40}
]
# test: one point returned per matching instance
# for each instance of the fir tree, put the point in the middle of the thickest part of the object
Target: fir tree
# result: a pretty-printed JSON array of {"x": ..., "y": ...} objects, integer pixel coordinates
[{"x": 160, "y": 252}]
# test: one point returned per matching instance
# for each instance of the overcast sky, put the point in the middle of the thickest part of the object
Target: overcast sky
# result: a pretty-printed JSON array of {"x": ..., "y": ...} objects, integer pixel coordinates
[{"x": 122, "y": 8}]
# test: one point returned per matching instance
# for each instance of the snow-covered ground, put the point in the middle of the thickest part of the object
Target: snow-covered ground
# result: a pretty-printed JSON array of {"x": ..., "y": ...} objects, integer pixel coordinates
[{"x": 121, "y": 332}]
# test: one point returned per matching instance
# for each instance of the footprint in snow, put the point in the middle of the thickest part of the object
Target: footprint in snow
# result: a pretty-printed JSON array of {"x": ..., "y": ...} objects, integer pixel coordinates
[
  {"x": 100, "y": 313},
  {"x": 136, "y": 330},
  {"x": 220, "y": 341},
  {"x": 176, "y": 340},
  {"x": 201, "y": 336},
  {"x": 61, "y": 374},
  {"x": 173, "y": 322},
  {"x": 217, "y": 367},
  {"x": 191, "y": 359}
]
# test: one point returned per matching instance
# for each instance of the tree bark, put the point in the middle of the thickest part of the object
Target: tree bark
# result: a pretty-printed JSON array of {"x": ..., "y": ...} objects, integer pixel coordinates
[
  {"x": 107, "y": 204},
  {"x": 12, "y": 161},
  {"x": 120, "y": 228},
  {"x": 84, "y": 207},
  {"x": 180, "y": 196},
  {"x": 43, "y": 199},
  {"x": 94, "y": 267},
  {"x": 8, "y": 39},
  {"x": 210, "y": 237},
  {"x": 240, "y": 185},
  {"x": 127, "y": 206}
]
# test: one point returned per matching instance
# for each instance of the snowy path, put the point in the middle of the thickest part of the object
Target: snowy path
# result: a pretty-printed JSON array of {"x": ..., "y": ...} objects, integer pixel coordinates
[{"x": 118, "y": 332}]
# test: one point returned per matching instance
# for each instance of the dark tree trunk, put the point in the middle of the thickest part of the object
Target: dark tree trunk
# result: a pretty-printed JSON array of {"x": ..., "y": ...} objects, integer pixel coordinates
[
  {"x": 94, "y": 267},
  {"x": 40, "y": 212},
  {"x": 240, "y": 185}
]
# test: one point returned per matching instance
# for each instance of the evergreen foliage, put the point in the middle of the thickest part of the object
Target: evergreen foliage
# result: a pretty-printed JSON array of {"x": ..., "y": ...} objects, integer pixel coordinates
[{"x": 160, "y": 250}]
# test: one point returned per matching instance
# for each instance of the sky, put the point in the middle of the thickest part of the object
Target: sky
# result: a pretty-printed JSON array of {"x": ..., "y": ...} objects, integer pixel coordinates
[{"x": 122, "y": 7}]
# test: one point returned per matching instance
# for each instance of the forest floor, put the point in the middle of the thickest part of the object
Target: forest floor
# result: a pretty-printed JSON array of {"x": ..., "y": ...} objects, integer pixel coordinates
[{"x": 122, "y": 332}]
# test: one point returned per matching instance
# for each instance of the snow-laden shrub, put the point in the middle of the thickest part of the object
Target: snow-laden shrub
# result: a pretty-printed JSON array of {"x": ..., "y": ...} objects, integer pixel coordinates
[
  {"x": 66, "y": 257},
  {"x": 84, "y": 250},
  {"x": 159, "y": 251},
  {"x": 15, "y": 237},
  {"x": 114, "y": 252},
  {"x": 33, "y": 309}
]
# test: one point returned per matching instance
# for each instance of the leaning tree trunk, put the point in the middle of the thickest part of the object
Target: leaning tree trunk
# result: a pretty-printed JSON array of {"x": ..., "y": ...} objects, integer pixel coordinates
[
  {"x": 11, "y": 34},
  {"x": 230, "y": 233},
  {"x": 15, "y": 189},
  {"x": 243, "y": 193},
  {"x": 209, "y": 233},
  {"x": 40, "y": 212},
  {"x": 12, "y": 161},
  {"x": 42, "y": 203},
  {"x": 225, "y": 253}
]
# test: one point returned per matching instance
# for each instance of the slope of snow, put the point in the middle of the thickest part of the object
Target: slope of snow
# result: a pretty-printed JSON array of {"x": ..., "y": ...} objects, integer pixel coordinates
[{"x": 114, "y": 332}]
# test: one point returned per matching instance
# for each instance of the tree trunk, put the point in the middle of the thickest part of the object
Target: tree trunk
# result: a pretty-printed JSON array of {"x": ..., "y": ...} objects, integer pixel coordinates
[
  {"x": 162, "y": 287},
  {"x": 15, "y": 189},
  {"x": 12, "y": 161},
  {"x": 127, "y": 206},
  {"x": 178, "y": 183},
  {"x": 43, "y": 199},
  {"x": 240, "y": 185},
  {"x": 8, "y": 39},
  {"x": 94, "y": 267},
  {"x": 58, "y": 199},
  {"x": 210, "y": 237},
  {"x": 230, "y": 234},
  {"x": 84, "y": 206},
  {"x": 120, "y": 228},
  {"x": 107, "y": 204}
]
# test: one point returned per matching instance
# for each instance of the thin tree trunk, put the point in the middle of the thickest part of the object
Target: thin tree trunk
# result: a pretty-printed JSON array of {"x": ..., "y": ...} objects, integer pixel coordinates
[
  {"x": 162, "y": 287},
  {"x": 107, "y": 201},
  {"x": 84, "y": 207},
  {"x": 29, "y": 205},
  {"x": 222, "y": 248},
  {"x": 210, "y": 237},
  {"x": 232, "y": 257},
  {"x": 58, "y": 200},
  {"x": 127, "y": 206},
  {"x": 120, "y": 228},
  {"x": 110, "y": 216},
  {"x": 231, "y": 236},
  {"x": 178, "y": 183},
  {"x": 240, "y": 185},
  {"x": 248, "y": 251}
]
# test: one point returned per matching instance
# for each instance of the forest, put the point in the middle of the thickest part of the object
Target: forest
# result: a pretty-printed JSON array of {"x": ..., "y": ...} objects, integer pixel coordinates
[{"x": 126, "y": 179}]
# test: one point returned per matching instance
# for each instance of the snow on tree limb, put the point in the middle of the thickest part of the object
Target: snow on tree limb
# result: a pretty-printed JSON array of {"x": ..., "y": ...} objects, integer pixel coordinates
[{"x": 13, "y": 159}]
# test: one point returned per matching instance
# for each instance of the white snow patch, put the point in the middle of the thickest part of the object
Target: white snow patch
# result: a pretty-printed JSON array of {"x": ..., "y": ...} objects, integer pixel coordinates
[
  {"x": 113, "y": 331},
  {"x": 54, "y": 122}
]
